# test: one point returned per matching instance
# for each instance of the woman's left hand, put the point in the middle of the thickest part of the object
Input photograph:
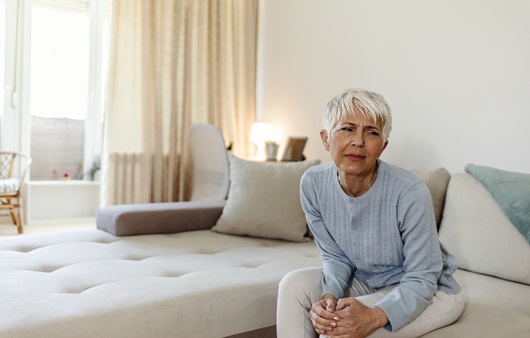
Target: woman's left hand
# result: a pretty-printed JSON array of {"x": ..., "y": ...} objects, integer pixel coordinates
[
  {"x": 322, "y": 315},
  {"x": 357, "y": 320}
]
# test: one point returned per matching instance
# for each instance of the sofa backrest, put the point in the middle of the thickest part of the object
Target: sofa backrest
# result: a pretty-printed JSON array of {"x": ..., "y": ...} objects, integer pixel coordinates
[
  {"x": 437, "y": 181},
  {"x": 478, "y": 233}
]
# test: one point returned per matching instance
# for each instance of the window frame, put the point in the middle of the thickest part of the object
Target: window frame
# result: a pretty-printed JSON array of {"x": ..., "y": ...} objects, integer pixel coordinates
[{"x": 16, "y": 119}]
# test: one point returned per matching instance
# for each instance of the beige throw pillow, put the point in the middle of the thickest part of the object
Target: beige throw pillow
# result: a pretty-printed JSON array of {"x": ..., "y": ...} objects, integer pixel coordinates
[
  {"x": 264, "y": 200},
  {"x": 436, "y": 180},
  {"x": 478, "y": 233}
]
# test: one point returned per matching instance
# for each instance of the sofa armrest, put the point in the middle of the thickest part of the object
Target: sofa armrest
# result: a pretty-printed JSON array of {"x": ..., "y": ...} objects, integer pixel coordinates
[{"x": 158, "y": 218}]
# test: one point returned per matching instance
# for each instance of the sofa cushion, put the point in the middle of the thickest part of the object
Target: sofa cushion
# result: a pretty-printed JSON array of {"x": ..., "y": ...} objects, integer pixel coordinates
[
  {"x": 479, "y": 234},
  {"x": 436, "y": 180},
  {"x": 158, "y": 218},
  {"x": 264, "y": 200},
  {"x": 190, "y": 284},
  {"x": 493, "y": 308}
]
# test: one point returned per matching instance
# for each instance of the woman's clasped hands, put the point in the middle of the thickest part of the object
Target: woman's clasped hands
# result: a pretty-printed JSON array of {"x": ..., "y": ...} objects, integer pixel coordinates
[{"x": 345, "y": 318}]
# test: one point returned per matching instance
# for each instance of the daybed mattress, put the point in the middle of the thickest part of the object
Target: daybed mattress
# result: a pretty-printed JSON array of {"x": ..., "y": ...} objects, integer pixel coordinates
[{"x": 190, "y": 284}]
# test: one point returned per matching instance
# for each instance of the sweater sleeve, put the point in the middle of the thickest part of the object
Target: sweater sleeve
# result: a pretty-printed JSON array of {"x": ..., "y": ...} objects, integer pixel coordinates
[
  {"x": 337, "y": 269},
  {"x": 422, "y": 259}
]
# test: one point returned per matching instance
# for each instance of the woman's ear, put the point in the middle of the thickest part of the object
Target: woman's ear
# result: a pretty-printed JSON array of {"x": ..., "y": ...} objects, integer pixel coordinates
[
  {"x": 324, "y": 137},
  {"x": 383, "y": 148}
]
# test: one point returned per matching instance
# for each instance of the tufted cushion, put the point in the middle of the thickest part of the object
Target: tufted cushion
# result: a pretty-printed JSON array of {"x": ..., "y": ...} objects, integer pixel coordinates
[{"x": 92, "y": 284}]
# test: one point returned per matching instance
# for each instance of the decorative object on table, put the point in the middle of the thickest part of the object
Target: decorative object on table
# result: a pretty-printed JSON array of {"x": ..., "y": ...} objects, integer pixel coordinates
[
  {"x": 12, "y": 184},
  {"x": 271, "y": 150},
  {"x": 295, "y": 149},
  {"x": 260, "y": 133}
]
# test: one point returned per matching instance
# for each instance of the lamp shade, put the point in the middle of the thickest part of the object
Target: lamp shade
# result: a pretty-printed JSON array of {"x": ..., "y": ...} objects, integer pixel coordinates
[{"x": 260, "y": 132}]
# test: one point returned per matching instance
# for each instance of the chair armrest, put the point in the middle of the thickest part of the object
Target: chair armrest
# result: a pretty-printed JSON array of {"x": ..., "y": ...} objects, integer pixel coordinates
[{"x": 158, "y": 218}]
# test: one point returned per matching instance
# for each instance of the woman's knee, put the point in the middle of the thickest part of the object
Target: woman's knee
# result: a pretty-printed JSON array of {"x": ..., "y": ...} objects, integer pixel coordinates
[
  {"x": 444, "y": 310},
  {"x": 302, "y": 283}
]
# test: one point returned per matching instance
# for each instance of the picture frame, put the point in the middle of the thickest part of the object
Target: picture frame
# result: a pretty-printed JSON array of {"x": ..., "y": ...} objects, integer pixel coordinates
[{"x": 294, "y": 151}]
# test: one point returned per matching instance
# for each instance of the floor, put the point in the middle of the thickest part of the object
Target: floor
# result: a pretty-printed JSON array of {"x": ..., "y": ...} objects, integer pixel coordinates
[{"x": 8, "y": 229}]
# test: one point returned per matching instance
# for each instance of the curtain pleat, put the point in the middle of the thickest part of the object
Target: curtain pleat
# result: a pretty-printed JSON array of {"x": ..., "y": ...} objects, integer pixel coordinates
[{"x": 174, "y": 63}]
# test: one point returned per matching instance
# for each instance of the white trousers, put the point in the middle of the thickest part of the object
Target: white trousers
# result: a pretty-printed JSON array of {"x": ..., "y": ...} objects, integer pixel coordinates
[{"x": 301, "y": 288}]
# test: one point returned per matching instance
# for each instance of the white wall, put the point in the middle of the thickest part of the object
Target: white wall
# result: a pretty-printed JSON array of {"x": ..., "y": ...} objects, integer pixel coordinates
[
  {"x": 60, "y": 200},
  {"x": 455, "y": 73}
]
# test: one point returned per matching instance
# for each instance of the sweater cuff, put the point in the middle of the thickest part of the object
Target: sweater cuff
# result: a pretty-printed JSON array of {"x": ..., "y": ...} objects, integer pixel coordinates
[
  {"x": 394, "y": 312},
  {"x": 333, "y": 284}
]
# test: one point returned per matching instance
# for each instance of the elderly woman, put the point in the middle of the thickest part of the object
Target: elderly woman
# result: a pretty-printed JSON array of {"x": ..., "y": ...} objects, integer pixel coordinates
[{"x": 384, "y": 271}]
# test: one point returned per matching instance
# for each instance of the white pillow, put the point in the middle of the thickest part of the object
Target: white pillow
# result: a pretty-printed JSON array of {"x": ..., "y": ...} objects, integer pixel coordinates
[
  {"x": 264, "y": 200},
  {"x": 477, "y": 232}
]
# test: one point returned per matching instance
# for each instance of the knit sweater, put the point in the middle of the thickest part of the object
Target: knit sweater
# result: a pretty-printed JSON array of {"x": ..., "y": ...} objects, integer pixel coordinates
[{"x": 384, "y": 237}]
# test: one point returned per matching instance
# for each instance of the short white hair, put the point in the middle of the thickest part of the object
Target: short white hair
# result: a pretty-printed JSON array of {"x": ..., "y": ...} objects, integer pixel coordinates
[{"x": 370, "y": 104}]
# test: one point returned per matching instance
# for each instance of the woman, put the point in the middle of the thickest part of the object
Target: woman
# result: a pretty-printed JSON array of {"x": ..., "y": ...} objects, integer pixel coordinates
[{"x": 384, "y": 270}]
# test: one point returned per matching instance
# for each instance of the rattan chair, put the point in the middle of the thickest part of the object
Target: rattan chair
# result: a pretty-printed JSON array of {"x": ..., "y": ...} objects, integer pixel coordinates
[{"x": 13, "y": 169}]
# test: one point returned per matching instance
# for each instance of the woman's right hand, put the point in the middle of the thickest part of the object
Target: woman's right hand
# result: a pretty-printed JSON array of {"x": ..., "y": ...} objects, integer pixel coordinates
[{"x": 322, "y": 314}]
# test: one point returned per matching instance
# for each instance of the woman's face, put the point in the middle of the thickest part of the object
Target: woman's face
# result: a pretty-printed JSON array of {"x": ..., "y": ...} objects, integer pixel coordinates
[{"x": 355, "y": 144}]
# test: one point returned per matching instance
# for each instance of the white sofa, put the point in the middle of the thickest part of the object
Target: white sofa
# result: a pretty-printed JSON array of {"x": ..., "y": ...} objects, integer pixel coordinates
[{"x": 190, "y": 281}]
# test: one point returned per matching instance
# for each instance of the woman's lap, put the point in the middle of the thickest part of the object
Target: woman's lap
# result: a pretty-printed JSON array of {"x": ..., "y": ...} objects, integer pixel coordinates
[{"x": 301, "y": 288}]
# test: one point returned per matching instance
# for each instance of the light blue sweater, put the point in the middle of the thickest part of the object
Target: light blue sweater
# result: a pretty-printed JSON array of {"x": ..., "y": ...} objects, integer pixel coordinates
[{"x": 386, "y": 236}]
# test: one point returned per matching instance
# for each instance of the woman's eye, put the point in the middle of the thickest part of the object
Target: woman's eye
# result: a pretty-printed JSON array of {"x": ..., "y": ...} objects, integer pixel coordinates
[
  {"x": 347, "y": 128},
  {"x": 372, "y": 132}
]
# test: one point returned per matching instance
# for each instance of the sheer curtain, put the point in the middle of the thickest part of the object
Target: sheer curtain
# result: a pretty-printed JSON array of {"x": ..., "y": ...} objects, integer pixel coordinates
[{"x": 174, "y": 63}]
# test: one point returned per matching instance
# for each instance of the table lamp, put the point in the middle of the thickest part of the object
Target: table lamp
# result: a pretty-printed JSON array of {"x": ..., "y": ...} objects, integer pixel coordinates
[{"x": 260, "y": 132}]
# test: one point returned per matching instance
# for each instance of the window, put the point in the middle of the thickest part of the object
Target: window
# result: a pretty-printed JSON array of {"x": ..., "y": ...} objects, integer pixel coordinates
[
  {"x": 58, "y": 84},
  {"x": 3, "y": 26}
]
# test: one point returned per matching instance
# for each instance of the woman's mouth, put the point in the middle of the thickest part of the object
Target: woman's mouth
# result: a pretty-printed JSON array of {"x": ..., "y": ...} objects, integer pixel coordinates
[{"x": 355, "y": 157}]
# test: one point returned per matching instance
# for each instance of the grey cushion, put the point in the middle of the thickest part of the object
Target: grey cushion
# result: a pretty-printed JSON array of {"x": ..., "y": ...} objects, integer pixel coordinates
[{"x": 158, "y": 218}]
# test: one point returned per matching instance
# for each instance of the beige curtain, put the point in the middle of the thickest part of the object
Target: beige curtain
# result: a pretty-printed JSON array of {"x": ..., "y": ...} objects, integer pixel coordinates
[{"x": 174, "y": 63}]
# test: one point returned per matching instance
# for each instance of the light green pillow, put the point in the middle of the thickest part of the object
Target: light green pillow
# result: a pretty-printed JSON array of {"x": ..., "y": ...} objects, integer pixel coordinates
[
  {"x": 510, "y": 190},
  {"x": 264, "y": 200}
]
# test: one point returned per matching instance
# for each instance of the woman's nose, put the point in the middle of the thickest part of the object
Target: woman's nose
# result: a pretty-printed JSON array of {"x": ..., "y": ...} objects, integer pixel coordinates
[{"x": 358, "y": 140}]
